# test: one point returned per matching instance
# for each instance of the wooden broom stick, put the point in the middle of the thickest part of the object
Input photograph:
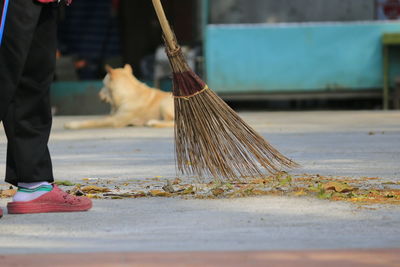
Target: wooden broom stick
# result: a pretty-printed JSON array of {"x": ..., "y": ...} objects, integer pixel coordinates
[
  {"x": 169, "y": 36},
  {"x": 210, "y": 138}
]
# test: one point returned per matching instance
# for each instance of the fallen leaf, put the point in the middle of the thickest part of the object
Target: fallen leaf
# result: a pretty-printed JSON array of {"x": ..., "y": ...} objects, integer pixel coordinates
[
  {"x": 217, "y": 191},
  {"x": 159, "y": 193},
  {"x": 315, "y": 187},
  {"x": 229, "y": 186},
  {"x": 92, "y": 189},
  {"x": 93, "y": 196},
  {"x": 188, "y": 190},
  {"x": 286, "y": 181},
  {"x": 299, "y": 193},
  {"x": 389, "y": 183},
  {"x": 7, "y": 193},
  {"x": 139, "y": 194},
  {"x": 324, "y": 195},
  {"x": 338, "y": 187},
  {"x": 244, "y": 191},
  {"x": 64, "y": 182}
]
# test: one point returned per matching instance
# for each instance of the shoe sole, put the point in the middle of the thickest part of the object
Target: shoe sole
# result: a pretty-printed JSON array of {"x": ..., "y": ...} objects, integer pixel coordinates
[{"x": 25, "y": 208}]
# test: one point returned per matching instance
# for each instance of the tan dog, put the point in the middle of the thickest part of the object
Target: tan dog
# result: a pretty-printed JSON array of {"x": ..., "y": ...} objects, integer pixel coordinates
[{"x": 132, "y": 102}]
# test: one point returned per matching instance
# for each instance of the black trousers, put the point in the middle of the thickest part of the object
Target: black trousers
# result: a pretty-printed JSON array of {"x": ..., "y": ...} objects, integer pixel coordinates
[{"x": 27, "y": 63}]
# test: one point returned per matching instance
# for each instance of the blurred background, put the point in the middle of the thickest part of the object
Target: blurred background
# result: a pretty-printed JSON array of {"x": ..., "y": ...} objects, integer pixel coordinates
[{"x": 256, "y": 54}]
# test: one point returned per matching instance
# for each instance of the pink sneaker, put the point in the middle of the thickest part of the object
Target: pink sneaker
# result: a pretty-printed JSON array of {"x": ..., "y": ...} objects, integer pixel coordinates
[
  {"x": 1, "y": 213},
  {"x": 54, "y": 201}
]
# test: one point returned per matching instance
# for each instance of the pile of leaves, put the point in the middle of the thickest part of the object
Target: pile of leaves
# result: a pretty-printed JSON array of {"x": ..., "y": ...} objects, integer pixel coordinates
[{"x": 364, "y": 190}]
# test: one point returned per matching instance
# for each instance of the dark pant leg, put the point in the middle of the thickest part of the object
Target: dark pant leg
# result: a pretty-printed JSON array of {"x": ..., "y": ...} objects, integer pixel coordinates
[
  {"x": 28, "y": 117},
  {"x": 19, "y": 27}
]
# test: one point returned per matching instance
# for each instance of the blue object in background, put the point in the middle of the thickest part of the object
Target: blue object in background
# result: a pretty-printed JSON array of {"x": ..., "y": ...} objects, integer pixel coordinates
[
  {"x": 3, "y": 19},
  {"x": 295, "y": 57}
]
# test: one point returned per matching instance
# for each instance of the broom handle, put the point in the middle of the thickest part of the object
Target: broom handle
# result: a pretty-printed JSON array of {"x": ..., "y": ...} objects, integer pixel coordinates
[{"x": 169, "y": 36}]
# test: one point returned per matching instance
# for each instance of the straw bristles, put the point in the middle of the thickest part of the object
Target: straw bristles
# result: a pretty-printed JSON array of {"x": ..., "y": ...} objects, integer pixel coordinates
[{"x": 211, "y": 140}]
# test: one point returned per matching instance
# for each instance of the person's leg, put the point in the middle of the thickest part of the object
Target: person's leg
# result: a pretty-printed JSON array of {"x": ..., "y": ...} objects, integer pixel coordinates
[
  {"x": 18, "y": 19},
  {"x": 18, "y": 23},
  {"x": 28, "y": 120}
]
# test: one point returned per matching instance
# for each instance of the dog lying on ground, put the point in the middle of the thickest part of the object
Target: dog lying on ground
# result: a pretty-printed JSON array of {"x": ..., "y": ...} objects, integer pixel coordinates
[{"x": 132, "y": 102}]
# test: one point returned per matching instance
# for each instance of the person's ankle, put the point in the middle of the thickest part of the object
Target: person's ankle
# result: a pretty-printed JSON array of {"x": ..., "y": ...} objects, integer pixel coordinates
[{"x": 31, "y": 191}]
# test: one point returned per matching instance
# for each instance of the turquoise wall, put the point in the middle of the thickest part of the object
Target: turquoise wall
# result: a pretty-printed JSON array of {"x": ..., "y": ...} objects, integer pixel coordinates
[{"x": 295, "y": 57}]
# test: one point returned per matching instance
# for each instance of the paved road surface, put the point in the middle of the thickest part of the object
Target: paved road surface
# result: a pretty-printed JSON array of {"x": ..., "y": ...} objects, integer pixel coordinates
[{"x": 353, "y": 144}]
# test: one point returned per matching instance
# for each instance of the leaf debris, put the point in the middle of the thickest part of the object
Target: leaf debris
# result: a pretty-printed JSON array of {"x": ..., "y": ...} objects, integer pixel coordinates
[{"x": 361, "y": 191}]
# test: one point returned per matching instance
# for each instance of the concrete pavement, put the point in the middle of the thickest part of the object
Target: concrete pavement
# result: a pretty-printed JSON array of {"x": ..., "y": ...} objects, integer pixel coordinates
[{"x": 354, "y": 144}]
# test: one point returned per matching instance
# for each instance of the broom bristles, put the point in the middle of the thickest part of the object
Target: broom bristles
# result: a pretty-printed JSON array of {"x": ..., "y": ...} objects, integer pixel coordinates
[{"x": 211, "y": 140}]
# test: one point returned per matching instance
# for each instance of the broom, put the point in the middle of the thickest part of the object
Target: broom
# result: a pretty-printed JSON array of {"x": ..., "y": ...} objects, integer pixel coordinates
[{"x": 211, "y": 140}]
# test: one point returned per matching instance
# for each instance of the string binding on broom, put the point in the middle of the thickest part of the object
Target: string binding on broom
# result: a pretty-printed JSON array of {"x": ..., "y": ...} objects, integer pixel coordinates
[
  {"x": 186, "y": 83},
  {"x": 189, "y": 96}
]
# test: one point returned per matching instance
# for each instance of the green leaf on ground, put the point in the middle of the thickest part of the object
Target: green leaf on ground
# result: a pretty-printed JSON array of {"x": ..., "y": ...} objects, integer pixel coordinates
[{"x": 64, "y": 182}]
